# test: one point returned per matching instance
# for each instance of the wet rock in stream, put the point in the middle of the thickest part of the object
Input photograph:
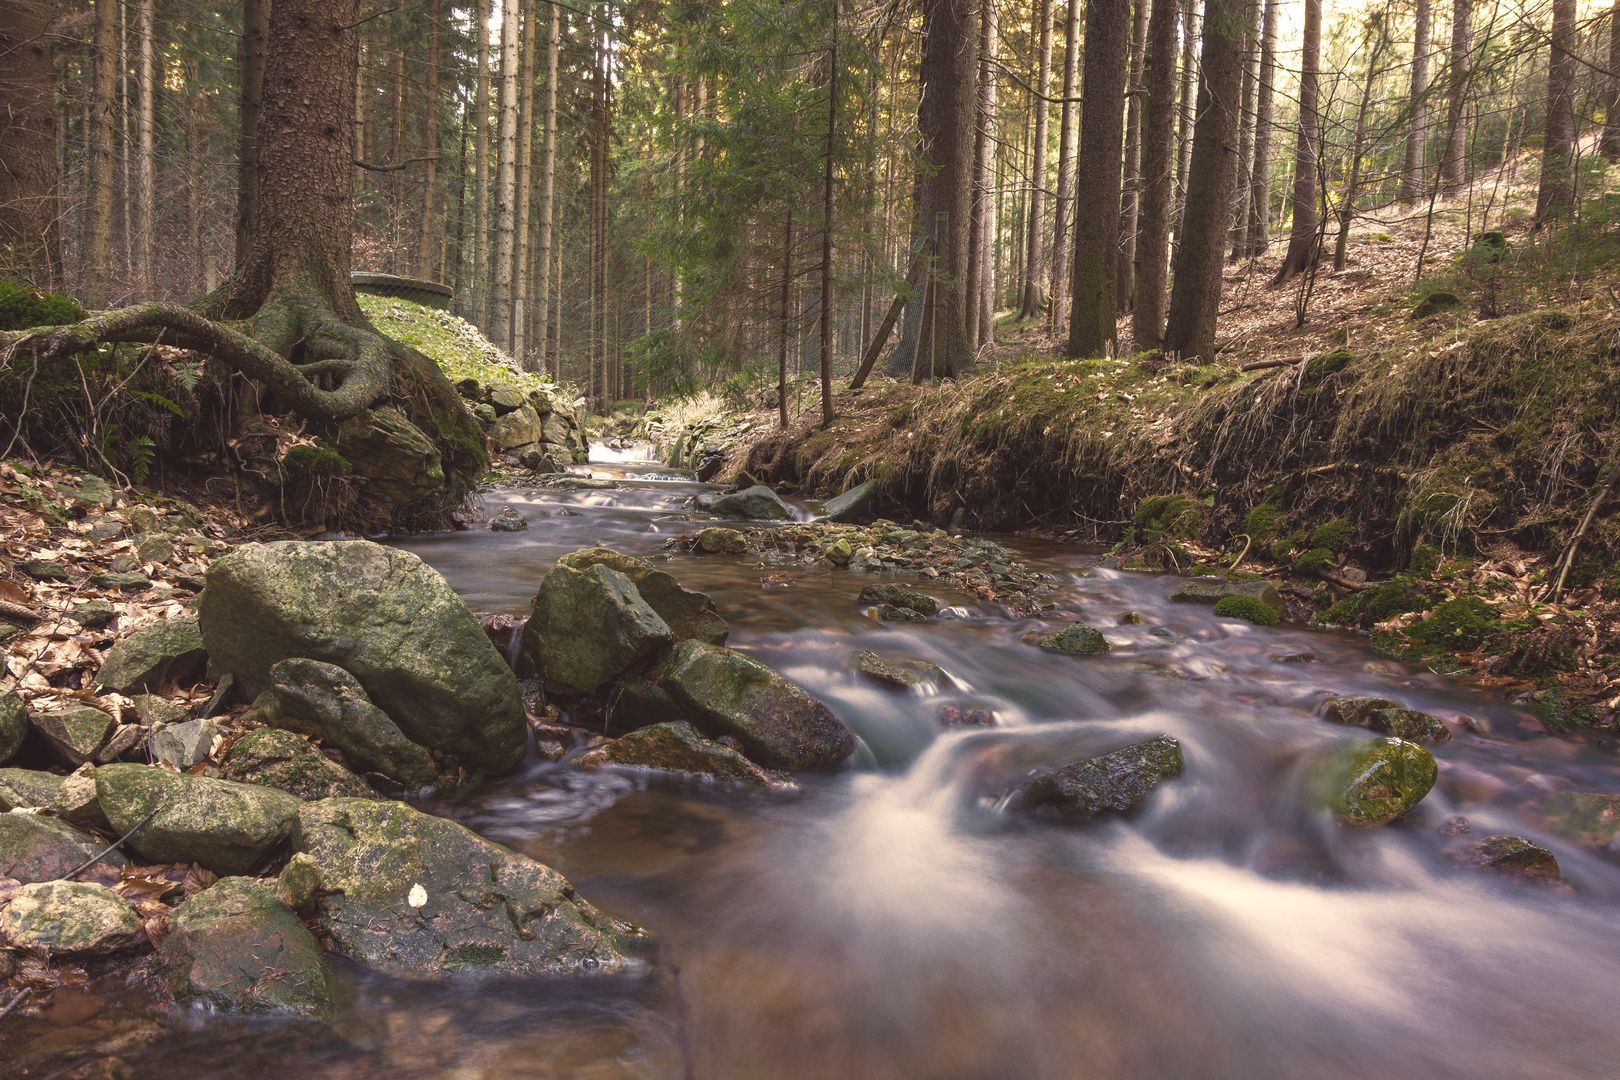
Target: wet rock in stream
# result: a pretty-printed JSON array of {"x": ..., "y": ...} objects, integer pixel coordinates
[
  {"x": 900, "y": 674},
  {"x": 757, "y": 503},
  {"x": 1077, "y": 639},
  {"x": 1375, "y": 782},
  {"x": 1115, "y": 783},
  {"x": 591, "y": 625},
  {"x": 1211, "y": 591},
  {"x": 383, "y": 616},
  {"x": 1516, "y": 857},
  {"x": 1587, "y": 817},
  {"x": 1387, "y": 718},
  {"x": 689, "y": 613},
  {"x": 676, "y": 747}
]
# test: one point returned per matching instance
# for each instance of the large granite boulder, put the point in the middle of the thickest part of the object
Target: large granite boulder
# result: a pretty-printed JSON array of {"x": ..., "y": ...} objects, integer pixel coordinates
[
  {"x": 778, "y": 724},
  {"x": 689, "y": 613},
  {"x": 34, "y": 847},
  {"x": 270, "y": 757},
  {"x": 675, "y": 747},
  {"x": 27, "y": 788},
  {"x": 225, "y": 826},
  {"x": 325, "y": 702},
  {"x": 520, "y": 427},
  {"x": 1116, "y": 783},
  {"x": 236, "y": 948},
  {"x": 382, "y": 615},
  {"x": 758, "y": 503},
  {"x": 590, "y": 626},
  {"x": 164, "y": 652},
  {"x": 13, "y": 725},
  {"x": 411, "y": 894},
  {"x": 69, "y": 919},
  {"x": 1212, "y": 591},
  {"x": 398, "y": 462},
  {"x": 1375, "y": 782},
  {"x": 851, "y": 505}
]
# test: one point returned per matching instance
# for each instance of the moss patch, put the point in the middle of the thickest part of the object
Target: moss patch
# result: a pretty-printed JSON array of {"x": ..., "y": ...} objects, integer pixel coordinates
[{"x": 1247, "y": 608}]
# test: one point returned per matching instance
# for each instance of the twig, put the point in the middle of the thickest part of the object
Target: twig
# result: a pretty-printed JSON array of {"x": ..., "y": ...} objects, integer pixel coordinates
[
  {"x": 16, "y": 1000},
  {"x": 1259, "y": 364},
  {"x": 1591, "y": 512},
  {"x": 108, "y": 850}
]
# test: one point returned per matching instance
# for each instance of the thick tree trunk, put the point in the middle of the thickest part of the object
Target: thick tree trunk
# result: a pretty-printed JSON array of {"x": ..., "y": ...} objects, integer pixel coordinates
[
  {"x": 1196, "y": 299},
  {"x": 1302, "y": 236},
  {"x": 548, "y": 177},
  {"x": 1374, "y": 43},
  {"x": 1611, "y": 92},
  {"x": 1454, "y": 166},
  {"x": 784, "y": 328},
  {"x": 1158, "y": 166},
  {"x": 1260, "y": 187},
  {"x": 828, "y": 191},
  {"x": 30, "y": 235},
  {"x": 1130, "y": 197},
  {"x": 1030, "y": 305},
  {"x": 1065, "y": 186},
  {"x": 1417, "y": 133},
  {"x": 250, "y": 72},
  {"x": 945, "y": 126},
  {"x": 1555, "y": 194},
  {"x": 1097, "y": 176}
]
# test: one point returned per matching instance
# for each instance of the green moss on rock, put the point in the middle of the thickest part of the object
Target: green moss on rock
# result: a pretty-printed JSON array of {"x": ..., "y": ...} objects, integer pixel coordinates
[{"x": 1248, "y": 608}]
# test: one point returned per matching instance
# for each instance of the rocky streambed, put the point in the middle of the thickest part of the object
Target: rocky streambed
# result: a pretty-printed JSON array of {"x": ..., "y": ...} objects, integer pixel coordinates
[{"x": 726, "y": 798}]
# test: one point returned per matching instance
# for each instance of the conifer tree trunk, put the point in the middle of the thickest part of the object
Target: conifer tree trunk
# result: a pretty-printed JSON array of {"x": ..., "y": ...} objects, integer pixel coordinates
[
  {"x": 1158, "y": 168},
  {"x": 505, "y": 209},
  {"x": 1374, "y": 43},
  {"x": 430, "y": 144},
  {"x": 982, "y": 228},
  {"x": 1189, "y": 110},
  {"x": 1065, "y": 186},
  {"x": 525, "y": 165},
  {"x": 1196, "y": 297},
  {"x": 1239, "y": 234},
  {"x": 827, "y": 212},
  {"x": 1030, "y": 299},
  {"x": 945, "y": 127},
  {"x": 1555, "y": 194},
  {"x": 1130, "y": 198},
  {"x": 1302, "y": 235},
  {"x": 785, "y": 323},
  {"x": 1260, "y": 188},
  {"x": 1610, "y": 145},
  {"x": 1454, "y": 166},
  {"x": 29, "y": 174},
  {"x": 101, "y": 152},
  {"x": 250, "y": 73},
  {"x": 1417, "y": 133},
  {"x": 144, "y": 134},
  {"x": 480, "y": 282},
  {"x": 1097, "y": 178},
  {"x": 548, "y": 177}
]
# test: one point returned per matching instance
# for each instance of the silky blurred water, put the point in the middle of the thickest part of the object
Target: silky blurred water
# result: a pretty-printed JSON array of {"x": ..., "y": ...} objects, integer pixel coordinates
[{"x": 889, "y": 921}]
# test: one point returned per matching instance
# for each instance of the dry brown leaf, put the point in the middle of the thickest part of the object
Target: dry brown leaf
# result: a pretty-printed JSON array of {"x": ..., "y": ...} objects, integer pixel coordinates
[{"x": 198, "y": 879}]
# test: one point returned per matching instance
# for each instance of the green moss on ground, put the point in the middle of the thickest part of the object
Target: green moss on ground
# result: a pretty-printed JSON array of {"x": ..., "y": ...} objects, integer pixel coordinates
[{"x": 1248, "y": 608}]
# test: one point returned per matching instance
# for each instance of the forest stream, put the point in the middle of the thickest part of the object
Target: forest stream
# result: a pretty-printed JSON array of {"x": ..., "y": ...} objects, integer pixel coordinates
[{"x": 890, "y": 920}]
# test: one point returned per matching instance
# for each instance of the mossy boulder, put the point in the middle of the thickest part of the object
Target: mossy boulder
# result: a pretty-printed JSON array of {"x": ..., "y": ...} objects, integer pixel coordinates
[
  {"x": 235, "y": 948},
  {"x": 382, "y": 615},
  {"x": 590, "y": 626},
  {"x": 13, "y": 725},
  {"x": 77, "y": 803},
  {"x": 1077, "y": 639},
  {"x": 1170, "y": 517},
  {"x": 757, "y": 503},
  {"x": 34, "y": 847},
  {"x": 852, "y": 504},
  {"x": 1116, "y": 783},
  {"x": 778, "y": 724},
  {"x": 69, "y": 919},
  {"x": 1387, "y": 718},
  {"x": 398, "y": 462},
  {"x": 325, "y": 702},
  {"x": 518, "y": 428},
  {"x": 1207, "y": 591},
  {"x": 1248, "y": 608},
  {"x": 675, "y": 747},
  {"x": 415, "y": 895},
  {"x": 278, "y": 759},
  {"x": 719, "y": 540},
  {"x": 1355, "y": 711},
  {"x": 223, "y": 825},
  {"x": 1437, "y": 303},
  {"x": 900, "y": 596},
  {"x": 881, "y": 671},
  {"x": 74, "y": 733},
  {"x": 1375, "y": 782},
  {"x": 689, "y": 613},
  {"x": 168, "y": 651},
  {"x": 27, "y": 788}
]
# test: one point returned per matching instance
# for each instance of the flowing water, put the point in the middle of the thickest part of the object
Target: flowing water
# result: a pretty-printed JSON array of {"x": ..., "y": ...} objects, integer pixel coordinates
[{"x": 889, "y": 921}]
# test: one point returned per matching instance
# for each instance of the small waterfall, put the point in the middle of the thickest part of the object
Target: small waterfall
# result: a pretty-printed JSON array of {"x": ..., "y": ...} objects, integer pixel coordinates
[{"x": 617, "y": 450}]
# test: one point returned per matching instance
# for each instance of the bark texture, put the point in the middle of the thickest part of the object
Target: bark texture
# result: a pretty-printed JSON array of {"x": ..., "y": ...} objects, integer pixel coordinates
[
  {"x": 1302, "y": 235},
  {"x": 1418, "y": 132},
  {"x": 1555, "y": 194},
  {"x": 1030, "y": 295},
  {"x": 1454, "y": 167},
  {"x": 1097, "y": 178},
  {"x": 30, "y": 236},
  {"x": 1158, "y": 165},
  {"x": 1265, "y": 93}
]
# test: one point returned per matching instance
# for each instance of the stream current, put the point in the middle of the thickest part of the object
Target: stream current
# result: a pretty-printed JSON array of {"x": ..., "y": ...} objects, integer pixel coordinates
[{"x": 889, "y": 921}]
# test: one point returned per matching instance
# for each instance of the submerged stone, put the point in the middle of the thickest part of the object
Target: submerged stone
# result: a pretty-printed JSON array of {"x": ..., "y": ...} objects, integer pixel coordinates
[
  {"x": 889, "y": 593},
  {"x": 385, "y": 617},
  {"x": 1516, "y": 857},
  {"x": 1376, "y": 782},
  {"x": 1116, "y": 783},
  {"x": 778, "y": 724},
  {"x": 236, "y": 948},
  {"x": 1387, "y": 718},
  {"x": 675, "y": 747},
  {"x": 1587, "y": 817},
  {"x": 1077, "y": 639},
  {"x": 415, "y": 895}
]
